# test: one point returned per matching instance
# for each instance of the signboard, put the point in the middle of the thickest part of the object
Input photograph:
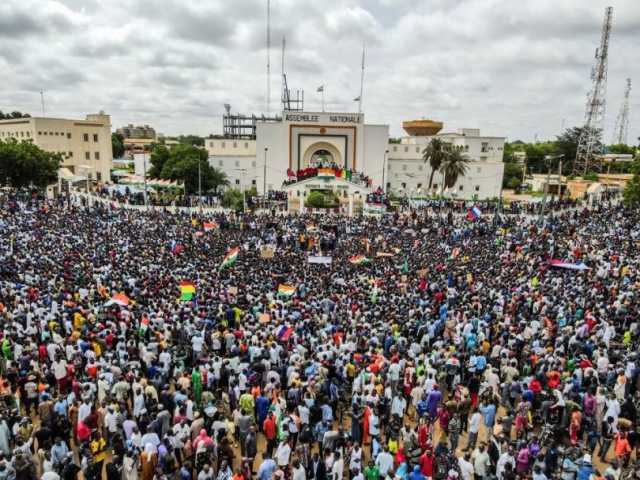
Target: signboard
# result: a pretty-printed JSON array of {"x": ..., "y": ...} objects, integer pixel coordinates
[
  {"x": 320, "y": 260},
  {"x": 337, "y": 118}
]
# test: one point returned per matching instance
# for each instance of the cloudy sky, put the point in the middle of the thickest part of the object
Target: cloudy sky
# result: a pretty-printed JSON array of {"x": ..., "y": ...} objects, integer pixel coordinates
[{"x": 510, "y": 67}]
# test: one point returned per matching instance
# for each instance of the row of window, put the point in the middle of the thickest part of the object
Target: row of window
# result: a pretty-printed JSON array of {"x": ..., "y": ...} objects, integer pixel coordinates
[
  {"x": 236, "y": 163},
  {"x": 253, "y": 182},
  {"x": 87, "y": 155},
  {"x": 15, "y": 134},
  {"x": 57, "y": 134},
  {"x": 404, "y": 168},
  {"x": 224, "y": 144},
  {"x": 484, "y": 148},
  {"x": 433, "y": 186}
]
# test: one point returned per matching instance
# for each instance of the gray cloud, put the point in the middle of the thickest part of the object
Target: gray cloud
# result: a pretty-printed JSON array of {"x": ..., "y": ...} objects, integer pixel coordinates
[{"x": 511, "y": 68}]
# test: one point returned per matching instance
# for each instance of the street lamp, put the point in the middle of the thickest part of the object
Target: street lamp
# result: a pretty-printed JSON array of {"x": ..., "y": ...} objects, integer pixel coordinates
[{"x": 384, "y": 170}]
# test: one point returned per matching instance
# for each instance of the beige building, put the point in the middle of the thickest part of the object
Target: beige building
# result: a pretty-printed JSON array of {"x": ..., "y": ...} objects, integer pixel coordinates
[{"x": 85, "y": 145}]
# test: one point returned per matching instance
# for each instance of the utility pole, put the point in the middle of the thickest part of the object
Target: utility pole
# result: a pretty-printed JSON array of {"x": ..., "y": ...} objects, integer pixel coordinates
[
  {"x": 264, "y": 175},
  {"x": 42, "y": 101},
  {"x": 384, "y": 169},
  {"x": 144, "y": 173},
  {"x": 199, "y": 184},
  {"x": 560, "y": 179}
]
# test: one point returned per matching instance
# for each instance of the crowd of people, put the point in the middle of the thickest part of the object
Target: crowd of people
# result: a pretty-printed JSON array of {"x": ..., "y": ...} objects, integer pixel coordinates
[{"x": 410, "y": 347}]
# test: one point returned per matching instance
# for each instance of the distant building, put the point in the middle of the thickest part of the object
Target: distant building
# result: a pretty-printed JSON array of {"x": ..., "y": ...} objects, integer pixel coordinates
[
  {"x": 85, "y": 145},
  {"x": 138, "y": 131}
]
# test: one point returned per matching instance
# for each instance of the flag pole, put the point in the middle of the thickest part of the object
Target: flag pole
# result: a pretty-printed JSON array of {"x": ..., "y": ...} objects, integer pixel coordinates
[
  {"x": 361, "y": 82},
  {"x": 322, "y": 98}
]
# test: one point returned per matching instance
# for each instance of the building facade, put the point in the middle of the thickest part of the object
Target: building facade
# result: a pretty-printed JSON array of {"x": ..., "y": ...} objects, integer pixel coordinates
[
  {"x": 407, "y": 174},
  {"x": 300, "y": 140},
  {"x": 137, "y": 131},
  {"x": 85, "y": 145}
]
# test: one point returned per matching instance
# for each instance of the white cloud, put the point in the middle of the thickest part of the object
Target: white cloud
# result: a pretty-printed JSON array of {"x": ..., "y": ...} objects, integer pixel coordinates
[{"x": 513, "y": 68}]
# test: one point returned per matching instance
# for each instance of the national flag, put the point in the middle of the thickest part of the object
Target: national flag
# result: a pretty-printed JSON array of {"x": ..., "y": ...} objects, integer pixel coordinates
[
  {"x": 208, "y": 226},
  {"x": 284, "y": 333},
  {"x": 119, "y": 299},
  {"x": 474, "y": 213},
  {"x": 385, "y": 254},
  {"x": 568, "y": 265},
  {"x": 230, "y": 258},
  {"x": 286, "y": 290},
  {"x": 176, "y": 248},
  {"x": 320, "y": 89},
  {"x": 187, "y": 290},
  {"x": 358, "y": 260}
]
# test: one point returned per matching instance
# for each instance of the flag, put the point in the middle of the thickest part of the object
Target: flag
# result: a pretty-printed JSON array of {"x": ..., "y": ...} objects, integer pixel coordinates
[
  {"x": 285, "y": 333},
  {"x": 208, "y": 226},
  {"x": 187, "y": 290},
  {"x": 144, "y": 325},
  {"x": 119, "y": 299},
  {"x": 385, "y": 254},
  {"x": 474, "y": 213},
  {"x": 176, "y": 248},
  {"x": 568, "y": 265},
  {"x": 230, "y": 258},
  {"x": 286, "y": 290},
  {"x": 320, "y": 89},
  {"x": 358, "y": 260},
  {"x": 404, "y": 268}
]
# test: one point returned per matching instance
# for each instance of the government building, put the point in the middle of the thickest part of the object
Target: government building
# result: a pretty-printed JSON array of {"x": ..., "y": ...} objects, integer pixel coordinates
[
  {"x": 85, "y": 145},
  {"x": 293, "y": 152}
]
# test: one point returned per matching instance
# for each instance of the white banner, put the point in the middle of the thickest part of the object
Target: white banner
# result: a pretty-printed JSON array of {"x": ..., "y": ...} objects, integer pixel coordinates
[{"x": 320, "y": 260}]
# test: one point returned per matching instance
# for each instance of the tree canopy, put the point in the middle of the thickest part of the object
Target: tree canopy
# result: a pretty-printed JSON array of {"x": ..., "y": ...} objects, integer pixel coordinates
[
  {"x": 181, "y": 163},
  {"x": 23, "y": 164},
  {"x": 117, "y": 145},
  {"x": 14, "y": 114}
]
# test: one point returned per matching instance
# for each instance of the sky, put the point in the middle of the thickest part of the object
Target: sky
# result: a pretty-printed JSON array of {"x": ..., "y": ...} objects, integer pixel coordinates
[{"x": 513, "y": 68}]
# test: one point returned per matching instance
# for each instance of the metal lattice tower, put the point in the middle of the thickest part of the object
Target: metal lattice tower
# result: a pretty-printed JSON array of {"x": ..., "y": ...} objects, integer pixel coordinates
[
  {"x": 588, "y": 145},
  {"x": 268, "y": 56},
  {"x": 621, "y": 129}
]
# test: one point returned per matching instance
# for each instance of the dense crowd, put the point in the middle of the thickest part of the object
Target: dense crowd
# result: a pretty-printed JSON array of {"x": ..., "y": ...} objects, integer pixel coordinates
[{"x": 166, "y": 346}]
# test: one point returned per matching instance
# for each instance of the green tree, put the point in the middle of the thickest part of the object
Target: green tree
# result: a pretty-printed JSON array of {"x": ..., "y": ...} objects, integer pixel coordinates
[
  {"x": 14, "y": 114},
  {"x": 454, "y": 166},
  {"x": 621, "y": 149},
  {"x": 233, "y": 199},
  {"x": 159, "y": 156},
  {"x": 435, "y": 154},
  {"x": 117, "y": 145},
  {"x": 631, "y": 194},
  {"x": 191, "y": 140},
  {"x": 512, "y": 175},
  {"x": 23, "y": 164},
  {"x": 567, "y": 144},
  {"x": 190, "y": 164}
]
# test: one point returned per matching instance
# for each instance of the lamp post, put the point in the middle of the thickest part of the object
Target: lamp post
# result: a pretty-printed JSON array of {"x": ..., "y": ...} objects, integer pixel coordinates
[
  {"x": 264, "y": 175},
  {"x": 144, "y": 175},
  {"x": 384, "y": 170},
  {"x": 199, "y": 184}
]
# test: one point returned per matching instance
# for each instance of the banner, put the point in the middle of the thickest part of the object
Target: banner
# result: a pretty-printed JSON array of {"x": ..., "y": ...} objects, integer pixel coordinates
[
  {"x": 326, "y": 172},
  {"x": 320, "y": 260}
]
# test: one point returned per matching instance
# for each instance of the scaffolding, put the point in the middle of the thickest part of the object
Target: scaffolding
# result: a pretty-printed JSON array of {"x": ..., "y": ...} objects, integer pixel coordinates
[{"x": 239, "y": 126}]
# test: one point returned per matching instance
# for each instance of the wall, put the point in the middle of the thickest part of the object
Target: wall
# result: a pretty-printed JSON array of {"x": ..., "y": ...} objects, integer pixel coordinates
[{"x": 230, "y": 147}]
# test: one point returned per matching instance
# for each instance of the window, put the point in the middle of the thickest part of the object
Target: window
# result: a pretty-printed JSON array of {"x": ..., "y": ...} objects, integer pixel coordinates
[
  {"x": 404, "y": 168},
  {"x": 222, "y": 144},
  {"x": 253, "y": 164},
  {"x": 420, "y": 168},
  {"x": 40, "y": 133},
  {"x": 85, "y": 137},
  {"x": 237, "y": 181},
  {"x": 237, "y": 163},
  {"x": 434, "y": 186},
  {"x": 466, "y": 148},
  {"x": 253, "y": 182},
  {"x": 220, "y": 163},
  {"x": 483, "y": 159},
  {"x": 477, "y": 188},
  {"x": 28, "y": 134},
  {"x": 419, "y": 185},
  {"x": 95, "y": 137},
  {"x": 417, "y": 149},
  {"x": 246, "y": 144},
  {"x": 406, "y": 149},
  {"x": 96, "y": 155},
  {"x": 211, "y": 144},
  {"x": 404, "y": 185},
  {"x": 87, "y": 155},
  {"x": 395, "y": 149},
  {"x": 44, "y": 133},
  {"x": 460, "y": 188},
  {"x": 479, "y": 170},
  {"x": 57, "y": 133},
  {"x": 98, "y": 176},
  {"x": 485, "y": 147},
  {"x": 70, "y": 154},
  {"x": 235, "y": 144},
  {"x": 50, "y": 133},
  {"x": 68, "y": 134},
  {"x": 388, "y": 185}
]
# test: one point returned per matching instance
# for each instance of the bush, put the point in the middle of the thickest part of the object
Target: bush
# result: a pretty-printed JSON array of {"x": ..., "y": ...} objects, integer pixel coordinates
[
  {"x": 318, "y": 199},
  {"x": 591, "y": 176},
  {"x": 233, "y": 199}
]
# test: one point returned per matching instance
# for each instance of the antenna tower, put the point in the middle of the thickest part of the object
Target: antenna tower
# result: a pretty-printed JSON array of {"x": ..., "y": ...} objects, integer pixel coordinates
[
  {"x": 621, "y": 129},
  {"x": 588, "y": 144},
  {"x": 268, "y": 56}
]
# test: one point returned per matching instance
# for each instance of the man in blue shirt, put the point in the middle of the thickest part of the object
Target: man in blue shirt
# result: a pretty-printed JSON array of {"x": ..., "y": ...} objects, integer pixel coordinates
[
  {"x": 489, "y": 414},
  {"x": 267, "y": 467}
]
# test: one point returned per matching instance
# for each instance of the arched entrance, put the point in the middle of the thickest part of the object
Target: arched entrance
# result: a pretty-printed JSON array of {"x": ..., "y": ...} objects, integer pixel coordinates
[{"x": 321, "y": 154}]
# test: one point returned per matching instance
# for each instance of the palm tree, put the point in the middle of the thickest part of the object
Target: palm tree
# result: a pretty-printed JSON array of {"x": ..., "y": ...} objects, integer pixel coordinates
[
  {"x": 218, "y": 179},
  {"x": 435, "y": 154},
  {"x": 454, "y": 166}
]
